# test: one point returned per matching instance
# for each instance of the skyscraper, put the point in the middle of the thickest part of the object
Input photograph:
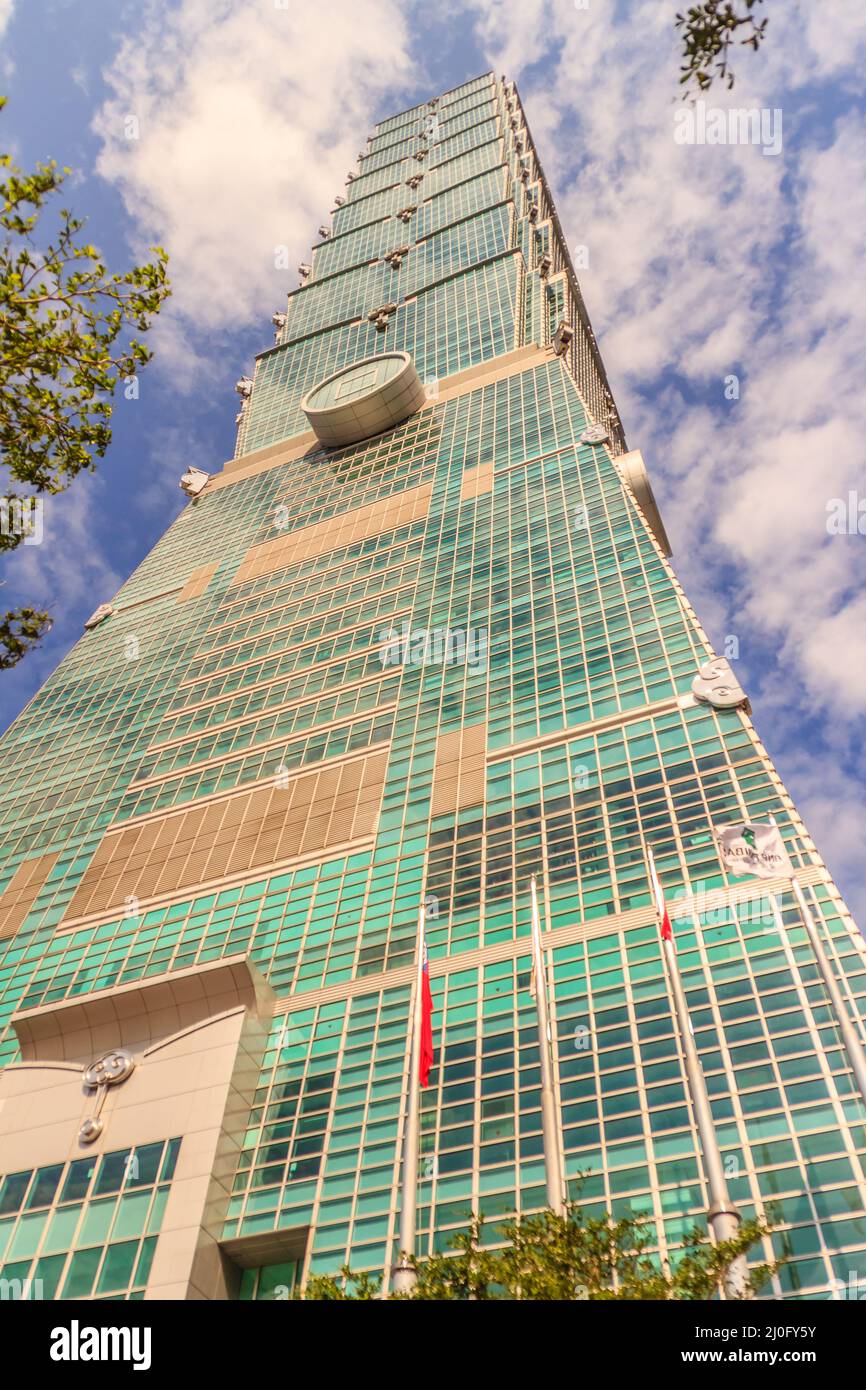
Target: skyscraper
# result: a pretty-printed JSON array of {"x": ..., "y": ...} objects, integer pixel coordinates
[{"x": 417, "y": 641}]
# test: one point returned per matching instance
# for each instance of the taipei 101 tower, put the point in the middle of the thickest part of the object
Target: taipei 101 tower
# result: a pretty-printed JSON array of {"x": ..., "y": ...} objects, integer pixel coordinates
[{"x": 416, "y": 648}]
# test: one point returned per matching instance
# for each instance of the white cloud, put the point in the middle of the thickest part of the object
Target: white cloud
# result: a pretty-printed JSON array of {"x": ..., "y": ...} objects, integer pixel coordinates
[
  {"x": 171, "y": 447},
  {"x": 248, "y": 117},
  {"x": 7, "y": 66},
  {"x": 66, "y": 570},
  {"x": 68, "y": 574},
  {"x": 515, "y": 35}
]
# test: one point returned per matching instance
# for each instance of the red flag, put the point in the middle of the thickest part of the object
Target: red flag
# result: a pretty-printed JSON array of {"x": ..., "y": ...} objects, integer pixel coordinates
[
  {"x": 667, "y": 934},
  {"x": 425, "y": 1051},
  {"x": 661, "y": 905}
]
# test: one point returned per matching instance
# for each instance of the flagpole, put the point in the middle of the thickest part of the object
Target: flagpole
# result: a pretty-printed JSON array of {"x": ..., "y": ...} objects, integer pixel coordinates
[
  {"x": 404, "y": 1276},
  {"x": 853, "y": 1045},
  {"x": 722, "y": 1215},
  {"x": 549, "y": 1123}
]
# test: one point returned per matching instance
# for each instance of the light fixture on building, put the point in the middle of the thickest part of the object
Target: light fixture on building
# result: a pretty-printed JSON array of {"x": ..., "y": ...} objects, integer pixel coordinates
[
  {"x": 562, "y": 338},
  {"x": 716, "y": 685},
  {"x": 195, "y": 480},
  {"x": 381, "y": 316},
  {"x": 104, "y": 611}
]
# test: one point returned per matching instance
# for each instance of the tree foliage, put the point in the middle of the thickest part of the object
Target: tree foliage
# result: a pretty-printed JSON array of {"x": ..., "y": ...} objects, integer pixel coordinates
[
  {"x": 20, "y": 629},
  {"x": 65, "y": 322},
  {"x": 709, "y": 31},
  {"x": 552, "y": 1257}
]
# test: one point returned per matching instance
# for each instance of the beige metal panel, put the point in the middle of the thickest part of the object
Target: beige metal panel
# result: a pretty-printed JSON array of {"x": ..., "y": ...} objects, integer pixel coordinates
[
  {"x": 477, "y": 481},
  {"x": 264, "y": 826},
  {"x": 335, "y": 533},
  {"x": 198, "y": 582},
  {"x": 459, "y": 769},
  {"x": 22, "y": 890}
]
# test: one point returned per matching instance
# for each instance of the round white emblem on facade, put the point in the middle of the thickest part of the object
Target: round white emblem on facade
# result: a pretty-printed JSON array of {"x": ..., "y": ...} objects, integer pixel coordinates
[
  {"x": 364, "y": 399},
  {"x": 111, "y": 1069},
  {"x": 108, "y": 1070},
  {"x": 595, "y": 434}
]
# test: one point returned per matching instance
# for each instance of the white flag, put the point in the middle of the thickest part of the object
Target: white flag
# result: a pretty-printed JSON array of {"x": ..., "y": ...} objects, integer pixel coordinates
[{"x": 757, "y": 850}]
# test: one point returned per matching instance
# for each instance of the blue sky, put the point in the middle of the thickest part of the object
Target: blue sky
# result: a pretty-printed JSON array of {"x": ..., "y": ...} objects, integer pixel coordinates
[{"x": 704, "y": 261}]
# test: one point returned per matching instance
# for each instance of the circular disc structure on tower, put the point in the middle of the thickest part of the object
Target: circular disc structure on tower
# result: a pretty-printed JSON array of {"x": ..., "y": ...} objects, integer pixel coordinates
[{"x": 364, "y": 399}]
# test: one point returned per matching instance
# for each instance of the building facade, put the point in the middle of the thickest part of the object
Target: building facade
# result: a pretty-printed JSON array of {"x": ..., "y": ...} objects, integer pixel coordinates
[{"x": 417, "y": 641}]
